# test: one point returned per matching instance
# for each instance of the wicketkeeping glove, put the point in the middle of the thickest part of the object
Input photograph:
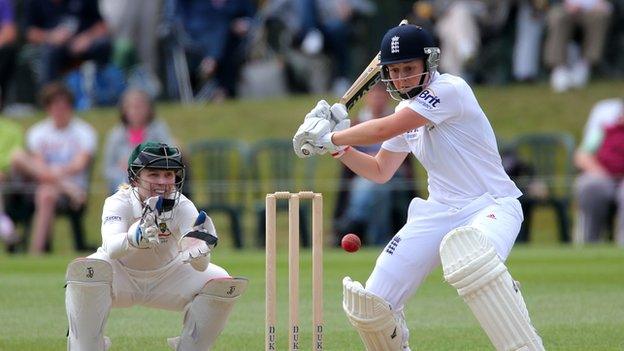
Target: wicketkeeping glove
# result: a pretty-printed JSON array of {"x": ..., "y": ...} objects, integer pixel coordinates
[
  {"x": 143, "y": 233},
  {"x": 196, "y": 245}
]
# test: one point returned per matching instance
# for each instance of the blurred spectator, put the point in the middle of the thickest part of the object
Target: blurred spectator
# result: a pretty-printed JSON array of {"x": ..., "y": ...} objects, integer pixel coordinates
[
  {"x": 138, "y": 124},
  {"x": 461, "y": 26},
  {"x": 65, "y": 33},
  {"x": 8, "y": 36},
  {"x": 528, "y": 39},
  {"x": 327, "y": 24},
  {"x": 134, "y": 25},
  {"x": 213, "y": 31},
  {"x": 600, "y": 157},
  {"x": 59, "y": 154},
  {"x": 422, "y": 15},
  {"x": 365, "y": 207},
  {"x": 592, "y": 17},
  {"x": 11, "y": 141},
  {"x": 313, "y": 27}
]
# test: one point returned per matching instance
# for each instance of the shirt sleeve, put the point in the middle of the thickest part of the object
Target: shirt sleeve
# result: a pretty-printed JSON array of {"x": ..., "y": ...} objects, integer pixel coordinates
[
  {"x": 396, "y": 144},
  {"x": 438, "y": 102},
  {"x": 186, "y": 216},
  {"x": 115, "y": 224},
  {"x": 33, "y": 139},
  {"x": 111, "y": 147},
  {"x": 88, "y": 138}
]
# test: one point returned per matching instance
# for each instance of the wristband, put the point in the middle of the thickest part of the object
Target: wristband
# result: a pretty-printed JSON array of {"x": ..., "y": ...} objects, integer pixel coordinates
[{"x": 340, "y": 152}]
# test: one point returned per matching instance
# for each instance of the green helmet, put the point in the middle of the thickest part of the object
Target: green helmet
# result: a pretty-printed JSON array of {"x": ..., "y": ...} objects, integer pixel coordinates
[{"x": 157, "y": 156}]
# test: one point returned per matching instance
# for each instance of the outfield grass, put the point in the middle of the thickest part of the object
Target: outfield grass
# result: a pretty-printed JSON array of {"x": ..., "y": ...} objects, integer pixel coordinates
[{"x": 574, "y": 295}]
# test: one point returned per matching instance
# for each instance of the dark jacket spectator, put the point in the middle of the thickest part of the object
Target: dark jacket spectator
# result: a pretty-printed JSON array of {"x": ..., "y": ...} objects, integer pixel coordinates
[
  {"x": 8, "y": 36},
  {"x": 212, "y": 33},
  {"x": 65, "y": 32}
]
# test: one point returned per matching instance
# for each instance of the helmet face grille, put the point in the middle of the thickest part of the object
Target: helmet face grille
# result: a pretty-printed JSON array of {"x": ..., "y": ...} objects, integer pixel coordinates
[
  {"x": 156, "y": 156},
  {"x": 403, "y": 44}
]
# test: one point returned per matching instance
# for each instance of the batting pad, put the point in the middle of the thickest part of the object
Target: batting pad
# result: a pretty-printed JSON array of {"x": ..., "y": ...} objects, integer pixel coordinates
[
  {"x": 380, "y": 328},
  {"x": 88, "y": 300},
  {"x": 208, "y": 313},
  {"x": 471, "y": 265}
]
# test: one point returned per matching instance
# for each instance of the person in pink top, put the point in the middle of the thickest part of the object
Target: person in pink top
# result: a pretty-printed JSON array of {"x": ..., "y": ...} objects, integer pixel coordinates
[{"x": 138, "y": 124}]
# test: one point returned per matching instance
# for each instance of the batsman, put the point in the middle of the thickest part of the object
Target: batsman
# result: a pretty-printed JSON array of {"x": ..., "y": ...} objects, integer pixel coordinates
[
  {"x": 470, "y": 220},
  {"x": 155, "y": 252}
]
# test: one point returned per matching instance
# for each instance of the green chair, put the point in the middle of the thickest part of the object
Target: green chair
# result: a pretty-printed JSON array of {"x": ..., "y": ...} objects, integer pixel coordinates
[
  {"x": 219, "y": 180},
  {"x": 549, "y": 157},
  {"x": 275, "y": 167}
]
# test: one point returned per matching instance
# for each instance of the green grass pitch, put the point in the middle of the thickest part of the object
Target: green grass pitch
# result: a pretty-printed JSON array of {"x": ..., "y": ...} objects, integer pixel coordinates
[{"x": 574, "y": 296}]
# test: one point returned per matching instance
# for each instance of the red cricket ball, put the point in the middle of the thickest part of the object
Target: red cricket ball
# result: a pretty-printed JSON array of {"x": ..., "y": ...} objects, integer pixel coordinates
[{"x": 351, "y": 243}]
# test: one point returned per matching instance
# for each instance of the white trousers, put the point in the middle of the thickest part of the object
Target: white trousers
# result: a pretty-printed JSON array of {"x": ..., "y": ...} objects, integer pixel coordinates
[
  {"x": 170, "y": 287},
  {"x": 414, "y": 251}
]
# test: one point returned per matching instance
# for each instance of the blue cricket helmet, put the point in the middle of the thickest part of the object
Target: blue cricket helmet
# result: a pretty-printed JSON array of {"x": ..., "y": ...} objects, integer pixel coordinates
[{"x": 405, "y": 43}]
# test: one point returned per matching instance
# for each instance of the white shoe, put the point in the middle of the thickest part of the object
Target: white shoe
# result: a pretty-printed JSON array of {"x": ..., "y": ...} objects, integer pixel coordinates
[
  {"x": 312, "y": 43},
  {"x": 107, "y": 343},
  {"x": 560, "y": 79},
  {"x": 7, "y": 230},
  {"x": 340, "y": 86},
  {"x": 173, "y": 342},
  {"x": 579, "y": 74}
]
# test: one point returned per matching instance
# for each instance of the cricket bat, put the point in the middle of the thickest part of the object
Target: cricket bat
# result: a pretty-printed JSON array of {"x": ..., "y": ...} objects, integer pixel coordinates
[{"x": 367, "y": 79}]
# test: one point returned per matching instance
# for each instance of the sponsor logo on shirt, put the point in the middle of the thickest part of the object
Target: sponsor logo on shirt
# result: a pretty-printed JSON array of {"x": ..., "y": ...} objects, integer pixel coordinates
[
  {"x": 428, "y": 99},
  {"x": 112, "y": 219}
]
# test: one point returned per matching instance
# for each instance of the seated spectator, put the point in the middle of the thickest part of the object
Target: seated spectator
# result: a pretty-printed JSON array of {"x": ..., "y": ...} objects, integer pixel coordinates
[
  {"x": 11, "y": 140},
  {"x": 461, "y": 27},
  {"x": 316, "y": 26},
  {"x": 600, "y": 157},
  {"x": 134, "y": 25},
  {"x": 137, "y": 125},
  {"x": 65, "y": 33},
  {"x": 59, "y": 153},
  {"x": 8, "y": 36},
  {"x": 366, "y": 208},
  {"x": 530, "y": 18},
  {"x": 326, "y": 24},
  {"x": 212, "y": 35},
  {"x": 592, "y": 16}
]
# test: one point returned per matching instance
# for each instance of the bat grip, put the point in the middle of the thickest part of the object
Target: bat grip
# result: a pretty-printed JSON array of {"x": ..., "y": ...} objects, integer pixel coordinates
[{"x": 306, "y": 149}]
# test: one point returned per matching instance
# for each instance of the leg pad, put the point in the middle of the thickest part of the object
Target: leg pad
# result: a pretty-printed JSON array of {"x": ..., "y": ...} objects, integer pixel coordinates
[
  {"x": 380, "y": 328},
  {"x": 471, "y": 265}
]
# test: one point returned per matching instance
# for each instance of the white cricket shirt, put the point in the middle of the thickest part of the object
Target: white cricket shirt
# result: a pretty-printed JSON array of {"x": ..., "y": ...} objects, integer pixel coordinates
[
  {"x": 122, "y": 209},
  {"x": 457, "y": 147}
]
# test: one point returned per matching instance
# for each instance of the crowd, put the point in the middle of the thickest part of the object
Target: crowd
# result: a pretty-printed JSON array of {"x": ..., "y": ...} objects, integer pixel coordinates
[
  {"x": 79, "y": 53},
  {"x": 211, "y": 50}
]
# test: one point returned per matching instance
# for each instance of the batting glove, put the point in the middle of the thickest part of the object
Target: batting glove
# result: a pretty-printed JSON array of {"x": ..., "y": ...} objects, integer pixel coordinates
[
  {"x": 196, "y": 245},
  {"x": 310, "y": 132},
  {"x": 335, "y": 113}
]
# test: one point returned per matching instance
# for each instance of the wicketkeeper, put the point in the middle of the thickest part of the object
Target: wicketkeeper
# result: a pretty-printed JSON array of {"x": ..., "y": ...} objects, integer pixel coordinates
[
  {"x": 155, "y": 252},
  {"x": 469, "y": 222}
]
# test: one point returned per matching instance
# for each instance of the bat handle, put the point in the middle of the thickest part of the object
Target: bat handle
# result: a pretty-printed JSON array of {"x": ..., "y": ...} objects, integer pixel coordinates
[{"x": 307, "y": 149}]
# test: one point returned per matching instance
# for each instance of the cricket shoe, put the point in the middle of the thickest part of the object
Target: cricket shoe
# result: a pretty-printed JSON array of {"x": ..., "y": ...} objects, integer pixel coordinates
[{"x": 173, "y": 342}]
